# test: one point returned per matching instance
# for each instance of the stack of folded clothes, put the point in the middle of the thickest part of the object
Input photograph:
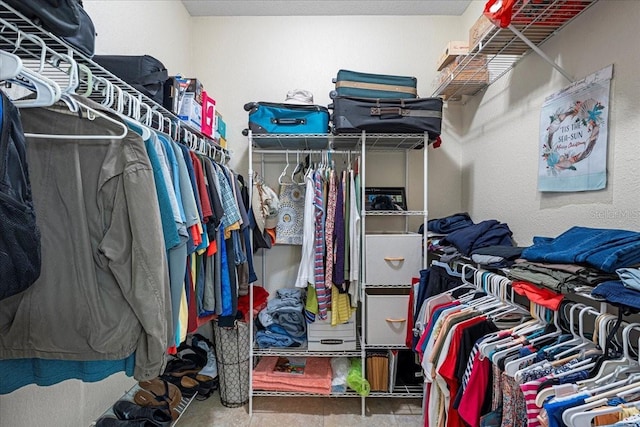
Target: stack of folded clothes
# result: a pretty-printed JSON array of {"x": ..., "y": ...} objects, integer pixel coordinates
[
  {"x": 496, "y": 256},
  {"x": 624, "y": 292},
  {"x": 471, "y": 238},
  {"x": 282, "y": 321},
  {"x": 563, "y": 278},
  {"x": 578, "y": 259}
]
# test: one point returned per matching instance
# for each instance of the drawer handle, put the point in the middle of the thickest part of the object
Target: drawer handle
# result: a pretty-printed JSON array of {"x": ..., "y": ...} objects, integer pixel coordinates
[
  {"x": 395, "y": 320},
  {"x": 391, "y": 258}
]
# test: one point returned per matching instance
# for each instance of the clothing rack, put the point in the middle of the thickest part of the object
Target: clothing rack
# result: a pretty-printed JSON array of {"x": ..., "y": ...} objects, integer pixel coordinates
[{"x": 53, "y": 58}]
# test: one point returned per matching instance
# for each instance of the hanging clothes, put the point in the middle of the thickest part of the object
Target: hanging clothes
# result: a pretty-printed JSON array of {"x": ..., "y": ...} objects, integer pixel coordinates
[{"x": 97, "y": 198}]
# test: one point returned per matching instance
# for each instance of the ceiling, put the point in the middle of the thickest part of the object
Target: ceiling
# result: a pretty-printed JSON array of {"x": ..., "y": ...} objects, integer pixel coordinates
[{"x": 323, "y": 7}]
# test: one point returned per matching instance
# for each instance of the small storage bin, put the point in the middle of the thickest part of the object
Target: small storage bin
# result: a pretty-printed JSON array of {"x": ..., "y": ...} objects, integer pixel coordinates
[
  {"x": 386, "y": 316},
  {"x": 392, "y": 259},
  {"x": 321, "y": 336}
]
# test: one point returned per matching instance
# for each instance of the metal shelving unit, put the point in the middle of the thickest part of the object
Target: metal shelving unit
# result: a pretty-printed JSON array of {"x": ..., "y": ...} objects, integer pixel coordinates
[
  {"x": 402, "y": 392},
  {"x": 533, "y": 23},
  {"x": 346, "y": 144}
]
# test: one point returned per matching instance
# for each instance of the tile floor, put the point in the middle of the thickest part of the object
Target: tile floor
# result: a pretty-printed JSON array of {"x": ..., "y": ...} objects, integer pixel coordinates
[{"x": 304, "y": 411}]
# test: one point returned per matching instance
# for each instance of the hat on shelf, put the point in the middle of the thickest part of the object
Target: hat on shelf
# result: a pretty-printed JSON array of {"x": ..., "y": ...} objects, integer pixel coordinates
[{"x": 299, "y": 96}]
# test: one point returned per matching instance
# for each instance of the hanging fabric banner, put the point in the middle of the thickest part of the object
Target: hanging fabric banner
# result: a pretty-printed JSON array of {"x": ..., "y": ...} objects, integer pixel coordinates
[{"x": 574, "y": 134}]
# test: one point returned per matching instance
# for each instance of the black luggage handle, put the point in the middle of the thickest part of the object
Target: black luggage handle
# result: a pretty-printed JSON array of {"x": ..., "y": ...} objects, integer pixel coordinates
[
  {"x": 289, "y": 121},
  {"x": 388, "y": 112}
]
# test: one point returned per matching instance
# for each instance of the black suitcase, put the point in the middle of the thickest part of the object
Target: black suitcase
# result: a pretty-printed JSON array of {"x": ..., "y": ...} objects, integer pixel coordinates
[
  {"x": 145, "y": 73},
  {"x": 353, "y": 115}
]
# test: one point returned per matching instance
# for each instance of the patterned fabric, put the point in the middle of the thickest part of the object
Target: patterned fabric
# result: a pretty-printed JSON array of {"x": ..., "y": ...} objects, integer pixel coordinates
[
  {"x": 318, "y": 252},
  {"x": 496, "y": 395},
  {"x": 514, "y": 412},
  {"x": 290, "y": 214},
  {"x": 467, "y": 372},
  {"x": 530, "y": 391},
  {"x": 338, "y": 270},
  {"x": 231, "y": 212},
  {"x": 329, "y": 228}
]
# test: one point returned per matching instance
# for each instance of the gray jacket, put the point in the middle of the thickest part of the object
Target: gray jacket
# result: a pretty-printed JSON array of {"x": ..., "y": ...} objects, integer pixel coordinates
[{"x": 104, "y": 289}]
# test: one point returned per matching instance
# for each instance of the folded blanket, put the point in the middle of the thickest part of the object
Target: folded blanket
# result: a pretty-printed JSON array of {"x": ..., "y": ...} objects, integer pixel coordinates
[{"x": 315, "y": 379}]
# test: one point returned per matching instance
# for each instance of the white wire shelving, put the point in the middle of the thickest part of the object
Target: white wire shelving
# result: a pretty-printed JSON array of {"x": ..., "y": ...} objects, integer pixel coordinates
[{"x": 533, "y": 23}]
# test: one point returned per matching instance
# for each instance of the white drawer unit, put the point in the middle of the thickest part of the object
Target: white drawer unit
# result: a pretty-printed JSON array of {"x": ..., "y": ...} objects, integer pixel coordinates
[
  {"x": 392, "y": 259},
  {"x": 321, "y": 336},
  {"x": 386, "y": 316}
]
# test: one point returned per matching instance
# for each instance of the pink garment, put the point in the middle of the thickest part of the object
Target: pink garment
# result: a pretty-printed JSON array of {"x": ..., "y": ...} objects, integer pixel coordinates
[
  {"x": 315, "y": 379},
  {"x": 530, "y": 391}
]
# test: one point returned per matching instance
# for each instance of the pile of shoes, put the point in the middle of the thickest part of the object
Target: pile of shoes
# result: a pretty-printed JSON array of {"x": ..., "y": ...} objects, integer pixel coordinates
[
  {"x": 194, "y": 368},
  {"x": 156, "y": 402}
]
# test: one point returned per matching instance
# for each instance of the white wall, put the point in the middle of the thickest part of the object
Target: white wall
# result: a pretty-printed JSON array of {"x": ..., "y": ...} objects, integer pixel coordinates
[
  {"x": 243, "y": 59},
  {"x": 500, "y": 132},
  {"x": 158, "y": 28}
]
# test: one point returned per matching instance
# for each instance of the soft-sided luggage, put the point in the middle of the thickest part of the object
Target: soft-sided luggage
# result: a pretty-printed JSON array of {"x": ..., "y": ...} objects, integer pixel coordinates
[
  {"x": 271, "y": 117},
  {"x": 145, "y": 73},
  {"x": 64, "y": 18},
  {"x": 365, "y": 85},
  {"x": 353, "y": 115}
]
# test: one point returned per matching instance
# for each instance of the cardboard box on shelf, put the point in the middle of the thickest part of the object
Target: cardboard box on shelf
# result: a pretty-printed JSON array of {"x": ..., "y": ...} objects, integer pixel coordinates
[
  {"x": 478, "y": 30},
  {"x": 458, "y": 80},
  {"x": 190, "y": 111},
  {"x": 174, "y": 89},
  {"x": 451, "y": 51},
  {"x": 196, "y": 87},
  {"x": 474, "y": 70},
  {"x": 221, "y": 125}
]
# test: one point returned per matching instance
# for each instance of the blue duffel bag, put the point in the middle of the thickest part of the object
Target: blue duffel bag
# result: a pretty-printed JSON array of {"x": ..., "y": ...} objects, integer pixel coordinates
[{"x": 280, "y": 118}]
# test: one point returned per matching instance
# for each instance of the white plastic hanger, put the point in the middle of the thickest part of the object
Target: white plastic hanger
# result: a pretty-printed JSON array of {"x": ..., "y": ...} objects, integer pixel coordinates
[
  {"x": 91, "y": 114},
  {"x": 284, "y": 171},
  {"x": 585, "y": 342},
  {"x": 513, "y": 366},
  {"x": 576, "y": 338},
  {"x": 10, "y": 65},
  {"x": 608, "y": 366}
]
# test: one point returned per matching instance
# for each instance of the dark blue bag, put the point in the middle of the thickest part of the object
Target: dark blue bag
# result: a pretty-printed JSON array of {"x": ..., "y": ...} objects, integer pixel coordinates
[
  {"x": 274, "y": 118},
  {"x": 19, "y": 234}
]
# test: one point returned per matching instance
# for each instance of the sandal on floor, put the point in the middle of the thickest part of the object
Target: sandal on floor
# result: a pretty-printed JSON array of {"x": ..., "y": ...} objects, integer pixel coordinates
[
  {"x": 206, "y": 385},
  {"x": 187, "y": 385},
  {"x": 159, "y": 393}
]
